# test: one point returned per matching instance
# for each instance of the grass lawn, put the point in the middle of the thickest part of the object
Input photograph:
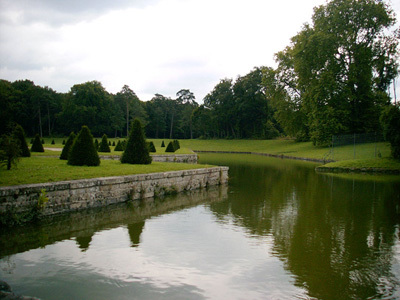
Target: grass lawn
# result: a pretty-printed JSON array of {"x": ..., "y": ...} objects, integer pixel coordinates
[
  {"x": 373, "y": 155},
  {"x": 37, "y": 169},
  {"x": 383, "y": 164}
]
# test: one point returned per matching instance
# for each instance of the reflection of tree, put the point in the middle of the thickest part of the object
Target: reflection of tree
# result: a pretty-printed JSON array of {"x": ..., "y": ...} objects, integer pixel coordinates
[
  {"x": 135, "y": 230},
  {"x": 84, "y": 241},
  {"x": 335, "y": 235}
]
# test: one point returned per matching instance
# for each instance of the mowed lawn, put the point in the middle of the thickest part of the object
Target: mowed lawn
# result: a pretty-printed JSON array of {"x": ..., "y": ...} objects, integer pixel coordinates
[{"x": 39, "y": 169}]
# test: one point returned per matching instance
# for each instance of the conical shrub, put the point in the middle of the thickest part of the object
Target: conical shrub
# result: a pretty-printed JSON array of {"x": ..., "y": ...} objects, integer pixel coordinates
[
  {"x": 83, "y": 152},
  {"x": 96, "y": 144},
  {"x": 136, "y": 151},
  {"x": 19, "y": 135},
  {"x": 170, "y": 147},
  {"x": 177, "y": 146},
  {"x": 53, "y": 142},
  {"x": 104, "y": 145},
  {"x": 162, "y": 144},
  {"x": 151, "y": 146},
  {"x": 37, "y": 145},
  {"x": 67, "y": 147},
  {"x": 119, "y": 146}
]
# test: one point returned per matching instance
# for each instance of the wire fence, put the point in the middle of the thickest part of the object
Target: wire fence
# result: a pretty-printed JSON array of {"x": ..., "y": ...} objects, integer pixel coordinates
[{"x": 358, "y": 146}]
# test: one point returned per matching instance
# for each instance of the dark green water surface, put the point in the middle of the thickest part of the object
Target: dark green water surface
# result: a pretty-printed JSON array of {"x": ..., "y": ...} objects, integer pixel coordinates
[{"x": 279, "y": 230}]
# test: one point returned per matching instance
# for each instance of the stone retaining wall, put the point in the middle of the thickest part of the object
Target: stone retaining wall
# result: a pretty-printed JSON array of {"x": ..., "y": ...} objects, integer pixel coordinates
[
  {"x": 66, "y": 196},
  {"x": 179, "y": 158}
]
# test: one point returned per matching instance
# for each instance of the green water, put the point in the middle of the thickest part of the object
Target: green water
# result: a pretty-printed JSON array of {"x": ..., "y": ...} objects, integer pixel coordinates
[{"x": 279, "y": 230}]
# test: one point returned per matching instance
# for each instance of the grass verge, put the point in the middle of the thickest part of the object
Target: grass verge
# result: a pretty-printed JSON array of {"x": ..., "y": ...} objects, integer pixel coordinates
[
  {"x": 37, "y": 169},
  {"x": 378, "y": 165}
]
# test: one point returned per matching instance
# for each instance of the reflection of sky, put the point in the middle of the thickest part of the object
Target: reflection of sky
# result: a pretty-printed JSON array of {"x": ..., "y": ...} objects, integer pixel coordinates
[{"x": 182, "y": 255}]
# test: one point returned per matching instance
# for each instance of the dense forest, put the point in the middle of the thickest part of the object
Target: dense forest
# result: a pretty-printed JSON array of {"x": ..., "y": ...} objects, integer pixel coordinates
[{"x": 332, "y": 79}]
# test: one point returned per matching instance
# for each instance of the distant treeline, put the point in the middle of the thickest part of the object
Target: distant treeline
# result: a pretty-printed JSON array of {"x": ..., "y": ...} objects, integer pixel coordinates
[{"x": 332, "y": 79}]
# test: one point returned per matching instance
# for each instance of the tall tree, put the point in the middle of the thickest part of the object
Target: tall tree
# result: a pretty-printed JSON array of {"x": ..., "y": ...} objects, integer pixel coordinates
[
  {"x": 341, "y": 66},
  {"x": 186, "y": 99}
]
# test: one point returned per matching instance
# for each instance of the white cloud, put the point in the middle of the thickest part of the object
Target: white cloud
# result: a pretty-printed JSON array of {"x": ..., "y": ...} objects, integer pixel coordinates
[{"x": 160, "y": 47}]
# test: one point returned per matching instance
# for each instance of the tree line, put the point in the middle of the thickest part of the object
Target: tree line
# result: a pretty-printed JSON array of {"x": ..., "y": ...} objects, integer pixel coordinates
[{"x": 332, "y": 79}]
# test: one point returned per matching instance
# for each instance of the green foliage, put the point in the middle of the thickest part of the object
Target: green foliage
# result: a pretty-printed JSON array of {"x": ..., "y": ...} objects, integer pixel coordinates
[
  {"x": 63, "y": 142},
  {"x": 104, "y": 145},
  {"x": 170, "y": 147},
  {"x": 177, "y": 146},
  {"x": 37, "y": 145},
  {"x": 10, "y": 150},
  {"x": 53, "y": 142},
  {"x": 67, "y": 147},
  {"x": 162, "y": 144},
  {"x": 151, "y": 146},
  {"x": 390, "y": 120},
  {"x": 136, "y": 151},
  {"x": 113, "y": 143},
  {"x": 118, "y": 147},
  {"x": 334, "y": 76},
  {"x": 42, "y": 200},
  {"x": 96, "y": 144},
  {"x": 19, "y": 135},
  {"x": 42, "y": 141},
  {"x": 83, "y": 151}
]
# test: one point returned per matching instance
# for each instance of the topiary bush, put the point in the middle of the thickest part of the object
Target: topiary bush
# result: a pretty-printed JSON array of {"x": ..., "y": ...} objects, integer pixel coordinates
[
  {"x": 83, "y": 151},
  {"x": 162, "y": 144},
  {"x": 177, "y": 146},
  {"x": 53, "y": 142},
  {"x": 113, "y": 143},
  {"x": 104, "y": 145},
  {"x": 96, "y": 144},
  {"x": 63, "y": 142},
  {"x": 152, "y": 148},
  {"x": 19, "y": 135},
  {"x": 42, "y": 141},
  {"x": 67, "y": 147},
  {"x": 37, "y": 145},
  {"x": 136, "y": 151},
  {"x": 170, "y": 147},
  {"x": 119, "y": 146}
]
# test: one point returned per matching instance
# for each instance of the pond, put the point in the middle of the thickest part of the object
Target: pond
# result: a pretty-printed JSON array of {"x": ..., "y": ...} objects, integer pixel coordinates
[{"x": 279, "y": 230}]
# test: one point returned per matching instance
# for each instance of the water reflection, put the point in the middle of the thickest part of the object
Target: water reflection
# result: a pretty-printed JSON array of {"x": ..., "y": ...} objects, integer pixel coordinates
[
  {"x": 82, "y": 225},
  {"x": 337, "y": 235},
  {"x": 279, "y": 231}
]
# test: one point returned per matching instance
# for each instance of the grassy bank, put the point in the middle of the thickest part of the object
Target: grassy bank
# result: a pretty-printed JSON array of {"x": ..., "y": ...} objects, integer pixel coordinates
[
  {"x": 378, "y": 165},
  {"x": 39, "y": 169}
]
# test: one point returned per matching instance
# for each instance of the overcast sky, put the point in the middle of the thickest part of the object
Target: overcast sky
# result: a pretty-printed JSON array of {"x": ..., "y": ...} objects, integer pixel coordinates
[{"x": 154, "y": 46}]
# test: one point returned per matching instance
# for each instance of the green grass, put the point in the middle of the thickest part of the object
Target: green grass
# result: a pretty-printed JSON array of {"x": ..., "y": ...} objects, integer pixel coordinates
[
  {"x": 39, "y": 169},
  {"x": 388, "y": 164},
  {"x": 58, "y": 145}
]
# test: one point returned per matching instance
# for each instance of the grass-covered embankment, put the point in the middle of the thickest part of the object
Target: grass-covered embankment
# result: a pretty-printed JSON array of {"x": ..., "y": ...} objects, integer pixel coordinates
[
  {"x": 377, "y": 165},
  {"x": 38, "y": 169}
]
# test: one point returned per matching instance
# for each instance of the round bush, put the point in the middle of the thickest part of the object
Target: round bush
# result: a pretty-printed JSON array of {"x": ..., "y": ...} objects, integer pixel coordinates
[
  {"x": 37, "y": 145},
  {"x": 136, "y": 151},
  {"x": 83, "y": 152}
]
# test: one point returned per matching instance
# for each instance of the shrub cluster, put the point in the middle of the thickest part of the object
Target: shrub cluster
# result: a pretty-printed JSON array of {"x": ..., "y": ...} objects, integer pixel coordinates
[
  {"x": 173, "y": 146},
  {"x": 83, "y": 151}
]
